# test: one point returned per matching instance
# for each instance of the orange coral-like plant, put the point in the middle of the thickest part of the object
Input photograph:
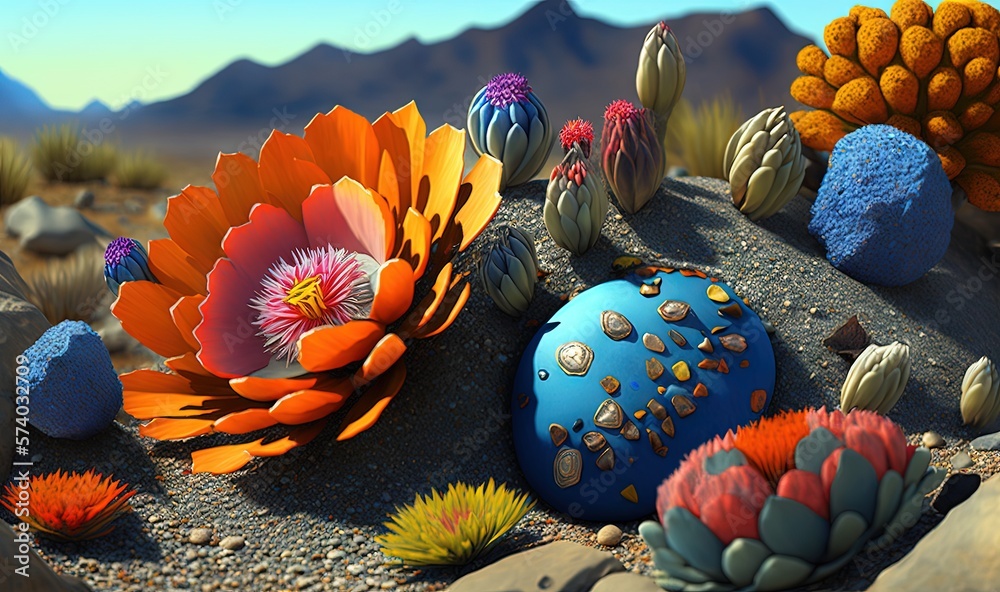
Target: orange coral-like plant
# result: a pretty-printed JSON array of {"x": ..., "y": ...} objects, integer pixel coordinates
[
  {"x": 933, "y": 74},
  {"x": 69, "y": 506}
]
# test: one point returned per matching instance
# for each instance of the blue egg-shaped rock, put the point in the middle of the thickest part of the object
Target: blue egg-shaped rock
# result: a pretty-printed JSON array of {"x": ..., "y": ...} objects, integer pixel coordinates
[
  {"x": 72, "y": 388},
  {"x": 626, "y": 379},
  {"x": 884, "y": 211}
]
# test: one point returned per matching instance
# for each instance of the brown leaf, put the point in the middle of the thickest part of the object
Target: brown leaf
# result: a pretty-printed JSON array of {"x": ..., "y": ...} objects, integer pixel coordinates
[{"x": 848, "y": 340}]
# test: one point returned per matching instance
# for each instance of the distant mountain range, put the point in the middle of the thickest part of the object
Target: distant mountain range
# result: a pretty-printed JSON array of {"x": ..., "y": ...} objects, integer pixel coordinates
[{"x": 576, "y": 65}]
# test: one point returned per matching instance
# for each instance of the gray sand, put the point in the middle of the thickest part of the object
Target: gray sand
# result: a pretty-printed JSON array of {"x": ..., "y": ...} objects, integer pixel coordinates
[{"x": 309, "y": 517}]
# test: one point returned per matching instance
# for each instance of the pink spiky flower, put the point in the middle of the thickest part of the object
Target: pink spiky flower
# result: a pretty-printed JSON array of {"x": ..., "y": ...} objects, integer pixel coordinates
[
  {"x": 503, "y": 90},
  {"x": 578, "y": 131}
]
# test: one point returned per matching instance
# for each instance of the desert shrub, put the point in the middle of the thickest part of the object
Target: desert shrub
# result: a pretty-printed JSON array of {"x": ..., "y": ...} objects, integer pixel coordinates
[
  {"x": 697, "y": 138},
  {"x": 15, "y": 172},
  {"x": 139, "y": 170},
  {"x": 71, "y": 288},
  {"x": 62, "y": 153}
]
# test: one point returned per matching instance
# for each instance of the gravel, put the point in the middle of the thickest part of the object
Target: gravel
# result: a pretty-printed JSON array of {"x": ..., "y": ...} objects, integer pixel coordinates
[{"x": 309, "y": 518}]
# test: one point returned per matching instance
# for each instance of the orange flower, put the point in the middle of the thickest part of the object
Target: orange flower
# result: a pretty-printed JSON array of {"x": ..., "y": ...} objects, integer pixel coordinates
[
  {"x": 291, "y": 287},
  {"x": 69, "y": 507}
]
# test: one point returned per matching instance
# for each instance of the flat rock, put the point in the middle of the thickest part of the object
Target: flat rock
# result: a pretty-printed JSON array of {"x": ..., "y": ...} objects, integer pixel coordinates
[
  {"x": 20, "y": 325},
  {"x": 987, "y": 442},
  {"x": 556, "y": 567},
  {"x": 40, "y": 578},
  {"x": 932, "y": 440},
  {"x": 84, "y": 199},
  {"x": 48, "y": 230},
  {"x": 959, "y": 554},
  {"x": 962, "y": 460},
  {"x": 626, "y": 582},
  {"x": 958, "y": 488}
]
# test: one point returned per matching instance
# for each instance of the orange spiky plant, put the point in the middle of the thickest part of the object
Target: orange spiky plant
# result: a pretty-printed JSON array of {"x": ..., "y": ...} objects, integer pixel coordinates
[
  {"x": 932, "y": 74},
  {"x": 69, "y": 506}
]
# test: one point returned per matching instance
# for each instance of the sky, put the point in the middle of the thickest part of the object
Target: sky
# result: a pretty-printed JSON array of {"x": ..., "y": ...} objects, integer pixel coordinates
[{"x": 74, "y": 51}]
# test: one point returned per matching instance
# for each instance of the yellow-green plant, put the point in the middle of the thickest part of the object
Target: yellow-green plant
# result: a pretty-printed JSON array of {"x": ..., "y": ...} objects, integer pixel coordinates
[
  {"x": 15, "y": 172},
  {"x": 454, "y": 528},
  {"x": 697, "y": 138},
  {"x": 139, "y": 170},
  {"x": 71, "y": 288},
  {"x": 63, "y": 153}
]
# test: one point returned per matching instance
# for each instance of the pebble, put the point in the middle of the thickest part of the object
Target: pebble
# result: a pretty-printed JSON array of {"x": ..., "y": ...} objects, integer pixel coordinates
[
  {"x": 987, "y": 442},
  {"x": 958, "y": 488},
  {"x": 932, "y": 440},
  {"x": 962, "y": 460},
  {"x": 609, "y": 535},
  {"x": 200, "y": 536},
  {"x": 84, "y": 199},
  {"x": 233, "y": 543},
  {"x": 355, "y": 569}
]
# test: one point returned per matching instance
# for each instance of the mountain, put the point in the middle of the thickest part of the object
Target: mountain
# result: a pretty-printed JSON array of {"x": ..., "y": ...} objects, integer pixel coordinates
[
  {"x": 20, "y": 102},
  {"x": 576, "y": 65}
]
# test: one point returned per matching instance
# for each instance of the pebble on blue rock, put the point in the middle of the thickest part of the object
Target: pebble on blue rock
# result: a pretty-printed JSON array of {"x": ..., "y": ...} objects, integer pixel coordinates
[
  {"x": 633, "y": 438},
  {"x": 75, "y": 392},
  {"x": 884, "y": 210}
]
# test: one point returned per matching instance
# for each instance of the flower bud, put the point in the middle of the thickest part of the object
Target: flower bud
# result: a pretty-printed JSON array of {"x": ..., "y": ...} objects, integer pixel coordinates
[
  {"x": 980, "y": 401},
  {"x": 509, "y": 271},
  {"x": 125, "y": 260},
  {"x": 877, "y": 378}
]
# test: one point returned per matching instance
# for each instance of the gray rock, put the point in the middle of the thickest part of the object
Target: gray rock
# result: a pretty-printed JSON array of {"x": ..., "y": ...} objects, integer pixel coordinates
[
  {"x": 959, "y": 554},
  {"x": 987, "y": 442},
  {"x": 962, "y": 460},
  {"x": 200, "y": 536},
  {"x": 49, "y": 230},
  {"x": 557, "y": 566},
  {"x": 84, "y": 199},
  {"x": 622, "y": 582},
  {"x": 233, "y": 543},
  {"x": 932, "y": 440},
  {"x": 20, "y": 325},
  {"x": 609, "y": 535},
  {"x": 40, "y": 578}
]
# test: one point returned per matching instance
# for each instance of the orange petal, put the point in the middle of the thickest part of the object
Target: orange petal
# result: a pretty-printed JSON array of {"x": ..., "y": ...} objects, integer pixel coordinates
[
  {"x": 430, "y": 303},
  {"x": 188, "y": 364},
  {"x": 244, "y": 422},
  {"x": 326, "y": 348},
  {"x": 482, "y": 199},
  {"x": 270, "y": 389},
  {"x": 394, "y": 165},
  {"x": 144, "y": 311},
  {"x": 350, "y": 216},
  {"x": 386, "y": 352},
  {"x": 186, "y": 317},
  {"x": 416, "y": 247},
  {"x": 238, "y": 183},
  {"x": 388, "y": 188},
  {"x": 288, "y": 171},
  {"x": 370, "y": 406},
  {"x": 176, "y": 429},
  {"x": 196, "y": 222},
  {"x": 443, "y": 166},
  {"x": 226, "y": 459},
  {"x": 446, "y": 314},
  {"x": 146, "y": 405},
  {"x": 344, "y": 145},
  {"x": 311, "y": 404},
  {"x": 393, "y": 284},
  {"x": 175, "y": 268},
  {"x": 409, "y": 163}
]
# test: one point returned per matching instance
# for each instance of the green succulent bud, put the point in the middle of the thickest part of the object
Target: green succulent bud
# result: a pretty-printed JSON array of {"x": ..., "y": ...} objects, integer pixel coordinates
[
  {"x": 575, "y": 205},
  {"x": 980, "y": 401},
  {"x": 660, "y": 77},
  {"x": 764, "y": 163},
  {"x": 877, "y": 378},
  {"x": 509, "y": 271}
]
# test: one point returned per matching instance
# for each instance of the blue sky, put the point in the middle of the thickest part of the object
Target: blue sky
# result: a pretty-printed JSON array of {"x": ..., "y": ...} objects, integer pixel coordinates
[{"x": 73, "y": 51}]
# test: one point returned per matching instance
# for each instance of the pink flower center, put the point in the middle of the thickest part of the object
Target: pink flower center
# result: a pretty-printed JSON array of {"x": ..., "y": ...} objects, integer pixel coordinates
[{"x": 323, "y": 286}]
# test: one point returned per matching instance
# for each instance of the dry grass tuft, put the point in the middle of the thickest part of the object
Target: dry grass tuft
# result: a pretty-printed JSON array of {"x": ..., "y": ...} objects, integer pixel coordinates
[
  {"x": 140, "y": 171},
  {"x": 63, "y": 154},
  {"x": 15, "y": 172},
  {"x": 72, "y": 288},
  {"x": 697, "y": 138}
]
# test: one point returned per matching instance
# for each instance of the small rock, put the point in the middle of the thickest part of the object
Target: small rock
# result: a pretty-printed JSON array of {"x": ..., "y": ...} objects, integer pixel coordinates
[
  {"x": 987, "y": 442},
  {"x": 958, "y": 488},
  {"x": 932, "y": 440},
  {"x": 84, "y": 199},
  {"x": 609, "y": 536},
  {"x": 49, "y": 230},
  {"x": 200, "y": 536},
  {"x": 677, "y": 171},
  {"x": 355, "y": 569},
  {"x": 75, "y": 391},
  {"x": 962, "y": 460},
  {"x": 233, "y": 543},
  {"x": 133, "y": 206}
]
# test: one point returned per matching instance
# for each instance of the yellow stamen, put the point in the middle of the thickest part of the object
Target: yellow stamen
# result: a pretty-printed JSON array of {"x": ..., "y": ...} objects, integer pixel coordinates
[{"x": 307, "y": 296}]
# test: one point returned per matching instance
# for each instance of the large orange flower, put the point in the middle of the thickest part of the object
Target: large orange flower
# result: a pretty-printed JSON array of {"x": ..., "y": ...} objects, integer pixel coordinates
[{"x": 291, "y": 287}]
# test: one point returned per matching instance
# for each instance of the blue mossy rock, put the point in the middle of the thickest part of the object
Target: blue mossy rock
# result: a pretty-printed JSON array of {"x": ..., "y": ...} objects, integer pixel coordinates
[
  {"x": 73, "y": 389},
  {"x": 884, "y": 211},
  {"x": 602, "y": 412}
]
